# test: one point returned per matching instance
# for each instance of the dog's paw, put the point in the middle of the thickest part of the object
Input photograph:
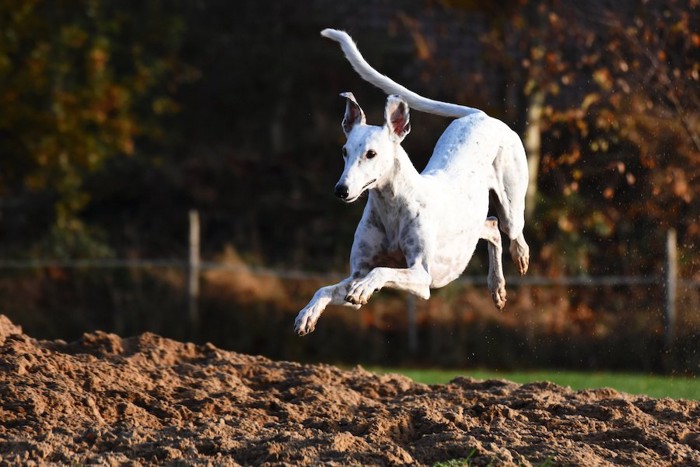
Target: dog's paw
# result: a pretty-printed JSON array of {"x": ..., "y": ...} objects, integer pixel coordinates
[
  {"x": 362, "y": 290},
  {"x": 359, "y": 298},
  {"x": 522, "y": 264},
  {"x": 499, "y": 297},
  {"x": 520, "y": 253},
  {"x": 306, "y": 320},
  {"x": 497, "y": 286}
]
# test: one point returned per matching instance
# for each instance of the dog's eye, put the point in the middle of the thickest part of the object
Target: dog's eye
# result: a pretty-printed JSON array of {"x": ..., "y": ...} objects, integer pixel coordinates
[
  {"x": 345, "y": 153},
  {"x": 370, "y": 154}
]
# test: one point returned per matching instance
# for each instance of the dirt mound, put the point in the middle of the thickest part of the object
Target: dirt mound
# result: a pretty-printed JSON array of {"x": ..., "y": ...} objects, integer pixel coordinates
[{"x": 147, "y": 399}]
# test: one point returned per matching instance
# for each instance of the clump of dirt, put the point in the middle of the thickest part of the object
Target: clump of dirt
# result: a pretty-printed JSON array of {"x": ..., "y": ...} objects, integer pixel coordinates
[{"x": 146, "y": 399}]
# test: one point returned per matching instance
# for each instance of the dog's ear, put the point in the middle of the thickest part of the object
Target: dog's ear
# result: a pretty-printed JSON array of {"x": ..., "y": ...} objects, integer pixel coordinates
[
  {"x": 353, "y": 113},
  {"x": 397, "y": 117}
]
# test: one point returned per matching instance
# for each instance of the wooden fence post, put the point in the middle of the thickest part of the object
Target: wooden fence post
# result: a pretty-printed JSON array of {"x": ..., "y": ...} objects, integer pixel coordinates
[
  {"x": 193, "y": 268},
  {"x": 671, "y": 285}
]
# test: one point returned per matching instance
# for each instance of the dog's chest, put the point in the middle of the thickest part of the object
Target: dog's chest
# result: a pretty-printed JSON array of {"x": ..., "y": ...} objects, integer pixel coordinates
[
  {"x": 391, "y": 223},
  {"x": 400, "y": 228}
]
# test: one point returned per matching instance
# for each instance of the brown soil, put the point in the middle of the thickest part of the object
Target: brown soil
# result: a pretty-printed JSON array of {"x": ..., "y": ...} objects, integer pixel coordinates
[{"x": 150, "y": 400}]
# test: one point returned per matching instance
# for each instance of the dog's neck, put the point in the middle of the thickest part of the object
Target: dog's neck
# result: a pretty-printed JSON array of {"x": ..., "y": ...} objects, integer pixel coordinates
[{"x": 400, "y": 184}]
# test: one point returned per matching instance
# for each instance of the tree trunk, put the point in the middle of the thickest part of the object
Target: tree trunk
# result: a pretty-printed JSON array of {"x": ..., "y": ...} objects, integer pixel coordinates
[{"x": 533, "y": 147}]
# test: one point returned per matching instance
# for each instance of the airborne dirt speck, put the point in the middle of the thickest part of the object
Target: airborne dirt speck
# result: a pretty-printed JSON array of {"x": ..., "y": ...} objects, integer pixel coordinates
[{"x": 146, "y": 399}]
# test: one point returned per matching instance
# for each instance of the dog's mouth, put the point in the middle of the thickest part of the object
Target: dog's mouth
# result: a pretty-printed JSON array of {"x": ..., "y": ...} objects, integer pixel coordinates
[{"x": 362, "y": 191}]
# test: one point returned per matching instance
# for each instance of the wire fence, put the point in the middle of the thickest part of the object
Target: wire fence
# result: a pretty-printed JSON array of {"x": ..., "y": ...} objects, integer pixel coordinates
[
  {"x": 531, "y": 280},
  {"x": 194, "y": 269},
  {"x": 457, "y": 326}
]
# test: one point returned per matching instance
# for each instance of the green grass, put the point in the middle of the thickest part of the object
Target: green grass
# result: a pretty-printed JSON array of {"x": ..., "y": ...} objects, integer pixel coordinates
[
  {"x": 675, "y": 387},
  {"x": 465, "y": 462}
]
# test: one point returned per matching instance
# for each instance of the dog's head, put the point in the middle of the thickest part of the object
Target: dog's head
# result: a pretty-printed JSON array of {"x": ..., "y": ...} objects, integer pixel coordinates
[{"x": 370, "y": 150}]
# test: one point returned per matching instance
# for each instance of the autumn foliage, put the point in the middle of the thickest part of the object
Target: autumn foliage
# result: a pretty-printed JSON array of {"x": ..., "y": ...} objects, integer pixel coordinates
[{"x": 117, "y": 117}]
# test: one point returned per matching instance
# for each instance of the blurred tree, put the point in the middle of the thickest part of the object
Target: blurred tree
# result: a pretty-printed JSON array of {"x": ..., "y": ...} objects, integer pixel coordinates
[
  {"x": 611, "y": 98},
  {"x": 81, "y": 82}
]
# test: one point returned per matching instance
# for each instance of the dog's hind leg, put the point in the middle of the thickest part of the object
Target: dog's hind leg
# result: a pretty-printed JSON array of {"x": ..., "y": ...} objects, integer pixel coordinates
[
  {"x": 330, "y": 295},
  {"x": 496, "y": 281},
  {"x": 511, "y": 176}
]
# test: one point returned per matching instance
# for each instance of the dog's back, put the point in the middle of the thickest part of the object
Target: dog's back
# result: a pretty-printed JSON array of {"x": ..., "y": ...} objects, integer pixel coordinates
[{"x": 470, "y": 143}]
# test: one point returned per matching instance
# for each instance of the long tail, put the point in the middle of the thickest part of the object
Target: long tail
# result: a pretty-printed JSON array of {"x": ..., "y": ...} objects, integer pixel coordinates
[{"x": 388, "y": 85}]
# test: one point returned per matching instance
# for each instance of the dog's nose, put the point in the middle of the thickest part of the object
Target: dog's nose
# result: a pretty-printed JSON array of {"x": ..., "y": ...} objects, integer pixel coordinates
[{"x": 342, "y": 191}]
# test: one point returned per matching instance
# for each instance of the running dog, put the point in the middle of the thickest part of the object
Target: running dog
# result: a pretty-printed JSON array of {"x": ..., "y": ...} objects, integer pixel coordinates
[{"x": 419, "y": 230}]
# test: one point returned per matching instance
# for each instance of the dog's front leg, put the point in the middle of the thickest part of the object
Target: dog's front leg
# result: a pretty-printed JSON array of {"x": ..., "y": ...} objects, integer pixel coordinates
[
  {"x": 330, "y": 295},
  {"x": 414, "y": 279}
]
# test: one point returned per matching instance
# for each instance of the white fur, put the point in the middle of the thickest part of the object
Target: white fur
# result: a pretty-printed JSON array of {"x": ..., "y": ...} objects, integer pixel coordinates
[{"x": 430, "y": 222}]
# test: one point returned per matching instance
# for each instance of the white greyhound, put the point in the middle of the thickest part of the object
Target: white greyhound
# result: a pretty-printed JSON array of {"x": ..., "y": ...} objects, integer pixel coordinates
[{"x": 419, "y": 230}]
